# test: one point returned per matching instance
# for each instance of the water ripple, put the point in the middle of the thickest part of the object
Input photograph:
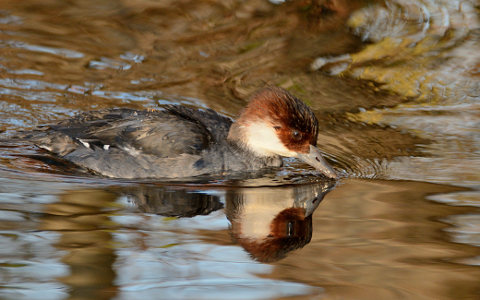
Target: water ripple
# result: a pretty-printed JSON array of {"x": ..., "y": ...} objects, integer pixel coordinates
[{"x": 66, "y": 53}]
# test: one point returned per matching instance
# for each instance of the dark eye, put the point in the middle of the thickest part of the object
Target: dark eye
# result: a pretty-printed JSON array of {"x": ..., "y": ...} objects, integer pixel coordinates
[
  {"x": 296, "y": 135},
  {"x": 277, "y": 127}
]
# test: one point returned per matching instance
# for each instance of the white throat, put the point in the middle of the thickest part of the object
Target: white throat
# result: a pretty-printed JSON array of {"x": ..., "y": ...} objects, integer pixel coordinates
[{"x": 262, "y": 139}]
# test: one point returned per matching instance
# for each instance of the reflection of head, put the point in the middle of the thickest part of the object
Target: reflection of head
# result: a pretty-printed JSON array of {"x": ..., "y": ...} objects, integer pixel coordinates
[
  {"x": 289, "y": 230},
  {"x": 270, "y": 222}
]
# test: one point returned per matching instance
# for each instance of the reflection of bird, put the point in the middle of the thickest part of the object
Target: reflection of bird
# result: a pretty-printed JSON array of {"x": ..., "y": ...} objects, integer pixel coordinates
[
  {"x": 171, "y": 202},
  {"x": 180, "y": 142},
  {"x": 270, "y": 222}
]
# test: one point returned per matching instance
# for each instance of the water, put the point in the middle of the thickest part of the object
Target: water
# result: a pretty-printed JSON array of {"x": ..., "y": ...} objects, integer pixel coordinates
[{"x": 395, "y": 87}]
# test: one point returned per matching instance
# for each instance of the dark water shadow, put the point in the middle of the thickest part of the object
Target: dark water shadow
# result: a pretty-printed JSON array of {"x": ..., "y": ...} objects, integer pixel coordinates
[{"x": 171, "y": 201}]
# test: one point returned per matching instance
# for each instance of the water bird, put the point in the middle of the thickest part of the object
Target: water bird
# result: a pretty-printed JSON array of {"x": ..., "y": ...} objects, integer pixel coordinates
[{"x": 178, "y": 141}]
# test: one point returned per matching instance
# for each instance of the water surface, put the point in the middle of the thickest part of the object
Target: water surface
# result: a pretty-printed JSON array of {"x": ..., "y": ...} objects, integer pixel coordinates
[{"x": 395, "y": 85}]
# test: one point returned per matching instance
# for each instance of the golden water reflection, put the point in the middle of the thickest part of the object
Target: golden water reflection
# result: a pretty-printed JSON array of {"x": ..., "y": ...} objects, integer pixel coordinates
[
  {"x": 384, "y": 239},
  {"x": 95, "y": 231},
  {"x": 366, "y": 238}
]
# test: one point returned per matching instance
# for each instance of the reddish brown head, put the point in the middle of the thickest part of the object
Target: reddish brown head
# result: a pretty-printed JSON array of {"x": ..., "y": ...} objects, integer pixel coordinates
[{"x": 277, "y": 123}]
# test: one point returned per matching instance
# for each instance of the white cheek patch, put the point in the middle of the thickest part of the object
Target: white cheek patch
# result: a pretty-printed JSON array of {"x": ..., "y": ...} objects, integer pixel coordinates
[{"x": 262, "y": 139}]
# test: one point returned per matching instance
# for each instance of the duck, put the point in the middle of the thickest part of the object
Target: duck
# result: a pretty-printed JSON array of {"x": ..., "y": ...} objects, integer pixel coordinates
[{"x": 177, "y": 141}]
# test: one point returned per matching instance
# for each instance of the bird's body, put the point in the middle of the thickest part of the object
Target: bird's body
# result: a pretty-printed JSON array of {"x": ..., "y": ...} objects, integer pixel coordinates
[{"x": 178, "y": 141}]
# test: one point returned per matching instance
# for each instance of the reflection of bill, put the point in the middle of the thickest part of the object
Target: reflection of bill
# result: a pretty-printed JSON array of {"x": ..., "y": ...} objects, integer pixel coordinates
[{"x": 269, "y": 222}]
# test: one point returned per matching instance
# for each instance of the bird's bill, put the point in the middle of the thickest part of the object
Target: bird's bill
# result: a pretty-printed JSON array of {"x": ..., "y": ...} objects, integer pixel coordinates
[{"x": 316, "y": 160}]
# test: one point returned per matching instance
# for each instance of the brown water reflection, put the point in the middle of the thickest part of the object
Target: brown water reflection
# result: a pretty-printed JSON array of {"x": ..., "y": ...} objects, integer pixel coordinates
[
  {"x": 383, "y": 240},
  {"x": 367, "y": 238},
  {"x": 395, "y": 87},
  {"x": 101, "y": 237},
  {"x": 82, "y": 219}
]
